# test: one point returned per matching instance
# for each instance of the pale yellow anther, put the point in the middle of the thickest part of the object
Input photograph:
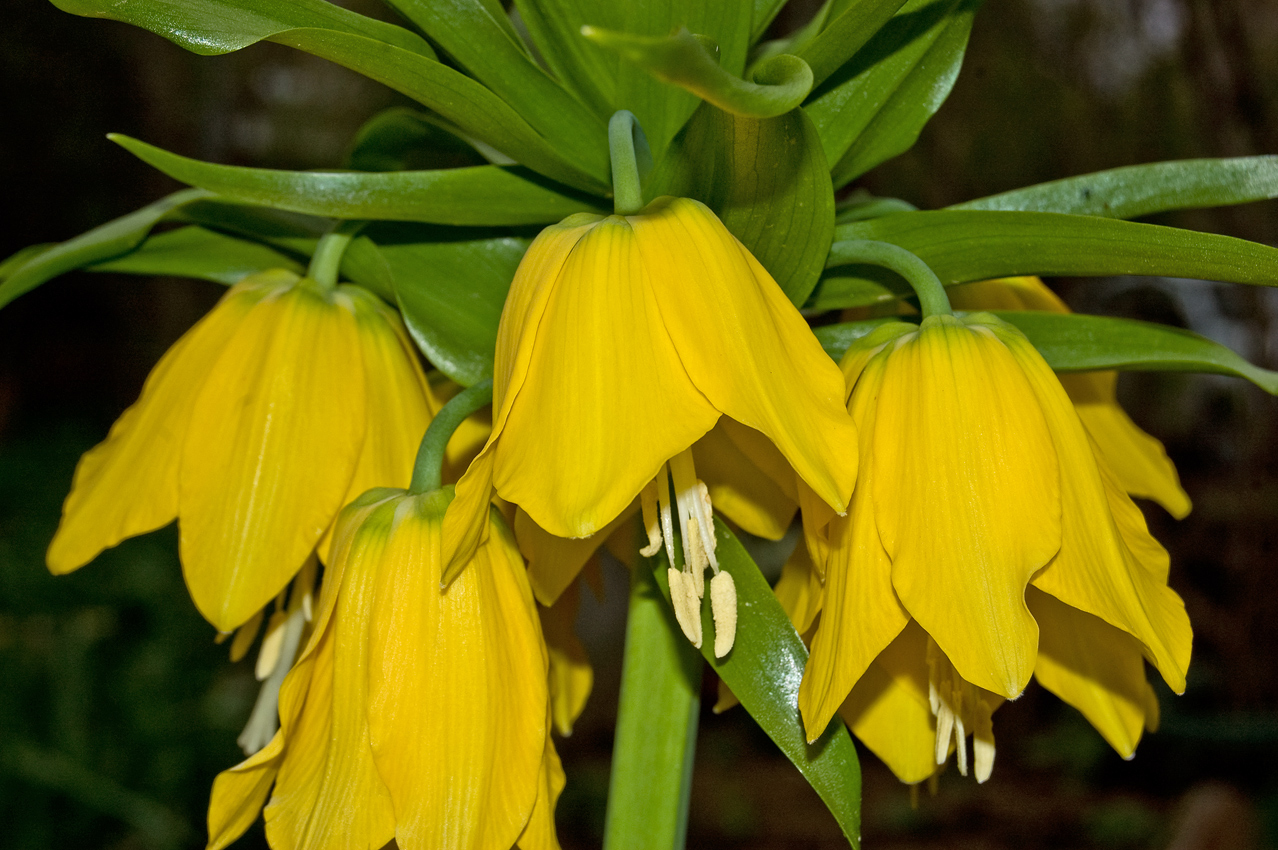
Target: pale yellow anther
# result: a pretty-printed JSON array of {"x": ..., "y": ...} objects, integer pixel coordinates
[
  {"x": 244, "y": 637},
  {"x": 651, "y": 517},
  {"x": 667, "y": 519},
  {"x": 723, "y": 606},
  {"x": 687, "y": 605},
  {"x": 268, "y": 656},
  {"x": 957, "y": 705}
]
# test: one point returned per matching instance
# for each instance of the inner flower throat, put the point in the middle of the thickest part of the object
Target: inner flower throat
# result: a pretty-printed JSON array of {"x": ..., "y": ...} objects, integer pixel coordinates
[{"x": 696, "y": 530}]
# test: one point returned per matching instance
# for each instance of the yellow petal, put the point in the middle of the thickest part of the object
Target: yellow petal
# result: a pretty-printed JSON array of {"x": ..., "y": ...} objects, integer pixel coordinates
[
  {"x": 1094, "y": 667},
  {"x": 1096, "y": 570},
  {"x": 240, "y": 792},
  {"x": 328, "y": 793},
  {"x": 128, "y": 484},
  {"x": 605, "y": 392},
  {"x": 739, "y": 466},
  {"x": 1137, "y": 459},
  {"x": 457, "y": 697},
  {"x": 860, "y": 611},
  {"x": 745, "y": 345},
  {"x": 571, "y": 676},
  {"x": 399, "y": 402},
  {"x": 540, "y": 832},
  {"x": 1006, "y": 293},
  {"x": 888, "y": 709},
  {"x": 554, "y": 562},
  {"x": 799, "y": 589},
  {"x": 275, "y": 434},
  {"x": 967, "y": 497}
]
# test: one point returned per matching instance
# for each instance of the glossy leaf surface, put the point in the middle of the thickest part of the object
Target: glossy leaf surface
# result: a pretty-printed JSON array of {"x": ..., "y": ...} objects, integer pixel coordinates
[
  {"x": 968, "y": 245},
  {"x": 101, "y": 243},
  {"x": 485, "y": 194},
  {"x": 450, "y": 283},
  {"x": 199, "y": 253},
  {"x": 767, "y": 180},
  {"x": 1139, "y": 190},
  {"x": 764, "y": 669},
  {"x": 845, "y": 34},
  {"x": 1076, "y": 342}
]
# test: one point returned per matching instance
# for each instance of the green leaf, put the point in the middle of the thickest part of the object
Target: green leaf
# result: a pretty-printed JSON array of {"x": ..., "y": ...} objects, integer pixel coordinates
[
  {"x": 199, "y": 253},
  {"x": 656, "y": 736},
  {"x": 781, "y": 83},
  {"x": 404, "y": 139},
  {"x": 484, "y": 194},
  {"x": 1140, "y": 190},
  {"x": 861, "y": 205},
  {"x": 967, "y": 245},
  {"x": 479, "y": 38},
  {"x": 607, "y": 83},
  {"x": 1075, "y": 342},
  {"x": 101, "y": 243},
  {"x": 451, "y": 285},
  {"x": 23, "y": 256},
  {"x": 767, "y": 179},
  {"x": 210, "y": 27},
  {"x": 874, "y": 105},
  {"x": 896, "y": 126},
  {"x": 841, "y": 37},
  {"x": 764, "y": 670}
]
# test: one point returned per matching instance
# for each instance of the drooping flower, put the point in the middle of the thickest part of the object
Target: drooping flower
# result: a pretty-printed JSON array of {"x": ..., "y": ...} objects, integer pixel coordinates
[
  {"x": 413, "y": 714},
  {"x": 624, "y": 339},
  {"x": 979, "y": 487},
  {"x": 1138, "y": 460},
  {"x": 281, "y": 405}
]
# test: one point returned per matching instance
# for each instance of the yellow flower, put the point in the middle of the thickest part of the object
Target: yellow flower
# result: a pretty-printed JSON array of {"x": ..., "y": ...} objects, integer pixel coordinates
[
  {"x": 281, "y": 405},
  {"x": 978, "y": 484},
  {"x": 623, "y": 341},
  {"x": 1137, "y": 459},
  {"x": 412, "y": 714}
]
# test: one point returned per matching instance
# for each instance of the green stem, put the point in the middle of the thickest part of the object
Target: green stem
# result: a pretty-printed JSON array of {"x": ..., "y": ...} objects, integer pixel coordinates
[
  {"x": 631, "y": 160},
  {"x": 931, "y": 292},
  {"x": 656, "y": 738},
  {"x": 428, "y": 470},
  {"x": 327, "y": 259}
]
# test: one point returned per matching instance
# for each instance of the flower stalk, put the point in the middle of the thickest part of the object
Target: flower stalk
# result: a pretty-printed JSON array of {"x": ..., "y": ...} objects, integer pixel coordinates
[
  {"x": 428, "y": 468},
  {"x": 631, "y": 161},
  {"x": 926, "y": 285},
  {"x": 326, "y": 262}
]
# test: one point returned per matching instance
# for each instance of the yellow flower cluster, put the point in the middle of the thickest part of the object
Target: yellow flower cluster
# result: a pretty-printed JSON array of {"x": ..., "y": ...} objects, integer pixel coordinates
[{"x": 987, "y": 537}]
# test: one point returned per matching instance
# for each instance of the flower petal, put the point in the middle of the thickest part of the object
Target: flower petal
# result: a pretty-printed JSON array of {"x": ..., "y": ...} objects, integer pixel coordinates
[
  {"x": 967, "y": 497},
  {"x": 745, "y": 345},
  {"x": 399, "y": 402},
  {"x": 328, "y": 793},
  {"x": 540, "y": 832},
  {"x": 750, "y": 482},
  {"x": 1137, "y": 459},
  {"x": 128, "y": 484},
  {"x": 240, "y": 792},
  {"x": 555, "y": 562},
  {"x": 606, "y": 400},
  {"x": 860, "y": 613},
  {"x": 1094, "y": 667},
  {"x": 274, "y": 438},
  {"x": 888, "y": 708},
  {"x": 571, "y": 676},
  {"x": 457, "y": 698},
  {"x": 799, "y": 589},
  {"x": 1096, "y": 571}
]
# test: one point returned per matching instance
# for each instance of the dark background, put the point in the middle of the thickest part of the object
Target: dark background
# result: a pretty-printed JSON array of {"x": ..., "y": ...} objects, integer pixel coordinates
[{"x": 116, "y": 707}]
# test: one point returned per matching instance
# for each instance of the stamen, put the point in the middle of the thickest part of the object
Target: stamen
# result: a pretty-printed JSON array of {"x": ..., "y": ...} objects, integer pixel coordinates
[
  {"x": 983, "y": 741},
  {"x": 244, "y": 637},
  {"x": 723, "y": 605},
  {"x": 687, "y": 604},
  {"x": 651, "y": 516},
  {"x": 667, "y": 522},
  {"x": 957, "y": 704}
]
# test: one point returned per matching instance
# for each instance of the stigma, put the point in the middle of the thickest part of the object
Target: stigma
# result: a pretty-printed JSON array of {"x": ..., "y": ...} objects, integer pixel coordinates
[{"x": 691, "y": 503}]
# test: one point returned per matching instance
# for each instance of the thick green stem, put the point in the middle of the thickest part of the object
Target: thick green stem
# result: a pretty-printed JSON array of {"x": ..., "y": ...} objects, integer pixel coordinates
[
  {"x": 631, "y": 160},
  {"x": 428, "y": 470},
  {"x": 931, "y": 292},
  {"x": 656, "y": 738},
  {"x": 326, "y": 262}
]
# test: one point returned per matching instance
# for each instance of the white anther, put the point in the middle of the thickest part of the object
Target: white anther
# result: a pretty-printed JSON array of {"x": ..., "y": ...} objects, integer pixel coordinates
[
  {"x": 687, "y": 605},
  {"x": 651, "y": 517},
  {"x": 723, "y": 605}
]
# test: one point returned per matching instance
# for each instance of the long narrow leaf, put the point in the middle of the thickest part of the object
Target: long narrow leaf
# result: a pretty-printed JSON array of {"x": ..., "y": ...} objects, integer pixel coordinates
[
  {"x": 843, "y": 36},
  {"x": 485, "y": 194},
  {"x": 764, "y": 670},
  {"x": 101, "y": 243},
  {"x": 968, "y": 245},
  {"x": 1139, "y": 190},
  {"x": 198, "y": 253},
  {"x": 1075, "y": 342}
]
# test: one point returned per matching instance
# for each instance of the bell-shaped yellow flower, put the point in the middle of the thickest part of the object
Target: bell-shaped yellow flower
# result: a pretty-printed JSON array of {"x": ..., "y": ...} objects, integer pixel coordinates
[
  {"x": 1137, "y": 459},
  {"x": 623, "y": 340},
  {"x": 413, "y": 714},
  {"x": 977, "y": 481},
  {"x": 281, "y": 405}
]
